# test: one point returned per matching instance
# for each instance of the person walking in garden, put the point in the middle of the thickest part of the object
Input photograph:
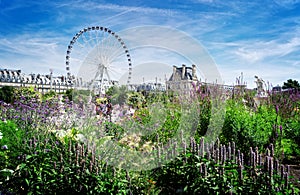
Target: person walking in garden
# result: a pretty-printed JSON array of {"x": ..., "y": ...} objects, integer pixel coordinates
[{"x": 103, "y": 108}]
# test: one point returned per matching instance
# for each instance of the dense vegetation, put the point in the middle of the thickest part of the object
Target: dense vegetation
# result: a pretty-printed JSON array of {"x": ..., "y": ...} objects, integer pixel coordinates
[{"x": 56, "y": 143}]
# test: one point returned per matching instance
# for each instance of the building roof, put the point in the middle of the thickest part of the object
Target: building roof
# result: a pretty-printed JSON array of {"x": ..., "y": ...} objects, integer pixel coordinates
[{"x": 178, "y": 74}]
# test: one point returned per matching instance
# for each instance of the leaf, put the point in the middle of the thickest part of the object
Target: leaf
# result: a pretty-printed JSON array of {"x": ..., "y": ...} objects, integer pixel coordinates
[
  {"x": 185, "y": 188},
  {"x": 27, "y": 182},
  {"x": 28, "y": 157},
  {"x": 7, "y": 171}
]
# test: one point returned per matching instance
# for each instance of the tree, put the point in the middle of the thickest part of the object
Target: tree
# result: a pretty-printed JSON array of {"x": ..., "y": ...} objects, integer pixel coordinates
[
  {"x": 7, "y": 94},
  {"x": 291, "y": 84},
  {"x": 69, "y": 94},
  {"x": 136, "y": 99},
  {"x": 27, "y": 92},
  {"x": 118, "y": 94}
]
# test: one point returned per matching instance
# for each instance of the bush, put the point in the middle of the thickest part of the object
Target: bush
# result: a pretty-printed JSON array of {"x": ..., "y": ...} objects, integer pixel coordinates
[
  {"x": 249, "y": 128},
  {"x": 11, "y": 144},
  {"x": 7, "y": 94}
]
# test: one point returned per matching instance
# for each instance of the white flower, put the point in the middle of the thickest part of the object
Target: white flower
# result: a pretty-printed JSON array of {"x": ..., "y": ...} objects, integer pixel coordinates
[
  {"x": 1, "y": 135},
  {"x": 80, "y": 137},
  {"x": 61, "y": 133}
]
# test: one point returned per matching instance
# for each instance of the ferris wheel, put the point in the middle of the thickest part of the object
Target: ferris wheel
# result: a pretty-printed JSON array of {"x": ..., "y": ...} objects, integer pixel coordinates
[{"x": 99, "y": 58}]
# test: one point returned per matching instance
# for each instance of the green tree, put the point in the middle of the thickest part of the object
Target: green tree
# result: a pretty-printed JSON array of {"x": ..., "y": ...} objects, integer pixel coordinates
[
  {"x": 49, "y": 95},
  {"x": 7, "y": 94},
  {"x": 118, "y": 94},
  {"x": 136, "y": 99},
  {"x": 27, "y": 92},
  {"x": 291, "y": 84},
  {"x": 69, "y": 94}
]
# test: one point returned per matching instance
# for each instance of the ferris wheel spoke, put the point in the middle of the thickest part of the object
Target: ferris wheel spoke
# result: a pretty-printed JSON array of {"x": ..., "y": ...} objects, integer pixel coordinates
[
  {"x": 116, "y": 72},
  {"x": 91, "y": 60},
  {"x": 117, "y": 55},
  {"x": 102, "y": 45},
  {"x": 105, "y": 49},
  {"x": 92, "y": 37},
  {"x": 108, "y": 76},
  {"x": 87, "y": 40},
  {"x": 116, "y": 52},
  {"x": 118, "y": 48},
  {"x": 97, "y": 42},
  {"x": 84, "y": 49},
  {"x": 81, "y": 51},
  {"x": 99, "y": 73}
]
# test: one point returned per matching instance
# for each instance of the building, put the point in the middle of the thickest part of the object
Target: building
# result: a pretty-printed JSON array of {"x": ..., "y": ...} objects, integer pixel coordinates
[
  {"x": 182, "y": 79},
  {"x": 43, "y": 83},
  {"x": 151, "y": 86},
  {"x": 277, "y": 89}
]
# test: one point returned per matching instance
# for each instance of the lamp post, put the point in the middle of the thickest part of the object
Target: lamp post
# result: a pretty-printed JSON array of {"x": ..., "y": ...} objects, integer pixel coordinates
[{"x": 51, "y": 72}]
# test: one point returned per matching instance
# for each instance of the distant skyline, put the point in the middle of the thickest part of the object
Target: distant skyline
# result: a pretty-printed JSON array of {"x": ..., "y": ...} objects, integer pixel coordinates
[{"x": 254, "y": 37}]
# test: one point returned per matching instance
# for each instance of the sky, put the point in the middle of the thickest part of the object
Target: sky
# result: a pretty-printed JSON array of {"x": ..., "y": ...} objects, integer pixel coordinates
[{"x": 251, "y": 37}]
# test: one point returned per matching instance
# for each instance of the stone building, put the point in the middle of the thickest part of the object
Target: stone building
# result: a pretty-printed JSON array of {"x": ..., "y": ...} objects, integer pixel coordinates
[{"x": 182, "y": 78}]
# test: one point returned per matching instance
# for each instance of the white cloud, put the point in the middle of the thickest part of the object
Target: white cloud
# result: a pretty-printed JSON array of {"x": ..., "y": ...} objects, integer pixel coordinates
[
  {"x": 257, "y": 51},
  {"x": 170, "y": 45},
  {"x": 287, "y": 3},
  {"x": 273, "y": 74},
  {"x": 204, "y": 1},
  {"x": 31, "y": 52},
  {"x": 89, "y": 5}
]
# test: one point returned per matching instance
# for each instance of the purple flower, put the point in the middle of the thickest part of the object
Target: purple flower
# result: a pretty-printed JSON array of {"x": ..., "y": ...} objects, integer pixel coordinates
[
  {"x": 5, "y": 147},
  {"x": 121, "y": 114},
  {"x": 280, "y": 127},
  {"x": 276, "y": 108}
]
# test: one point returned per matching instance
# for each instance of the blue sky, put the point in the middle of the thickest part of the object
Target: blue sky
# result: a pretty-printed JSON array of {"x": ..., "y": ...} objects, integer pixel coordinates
[{"x": 254, "y": 37}]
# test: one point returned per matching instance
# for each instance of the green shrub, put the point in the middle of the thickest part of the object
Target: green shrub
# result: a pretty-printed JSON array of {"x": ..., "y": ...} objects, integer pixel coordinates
[
  {"x": 11, "y": 143},
  {"x": 7, "y": 94},
  {"x": 249, "y": 128}
]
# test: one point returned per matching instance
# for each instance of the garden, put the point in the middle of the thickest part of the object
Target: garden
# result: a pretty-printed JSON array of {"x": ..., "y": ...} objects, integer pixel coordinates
[{"x": 204, "y": 142}]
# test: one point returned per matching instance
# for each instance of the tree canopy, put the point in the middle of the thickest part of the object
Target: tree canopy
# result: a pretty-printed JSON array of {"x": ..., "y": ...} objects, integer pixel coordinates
[
  {"x": 7, "y": 94},
  {"x": 291, "y": 84}
]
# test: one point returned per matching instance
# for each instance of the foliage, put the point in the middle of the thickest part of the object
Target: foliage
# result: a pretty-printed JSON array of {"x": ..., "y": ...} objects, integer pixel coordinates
[
  {"x": 167, "y": 130},
  {"x": 80, "y": 96},
  {"x": 27, "y": 93},
  {"x": 135, "y": 99},
  {"x": 69, "y": 94},
  {"x": 248, "y": 128},
  {"x": 12, "y": 138},
  {"x": 43, "y": 155},
  {"x": 7, "y": 94},
  {"x": 117, "y": 94},
  {"x": 10, "y": 148},
  {"x": 48, "y": 165},
  {"x": 49, "y": 95},
  {"x": 291, "y": 130},
  {"x": 287, "y": 106},
  {"x": 194, "y": 174},
  {"x": 290, "y": 148},
  {"x": 114, "y": 130},
  {"x": 204, "y": 115},
  {"x": 291, "y": 84}
]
